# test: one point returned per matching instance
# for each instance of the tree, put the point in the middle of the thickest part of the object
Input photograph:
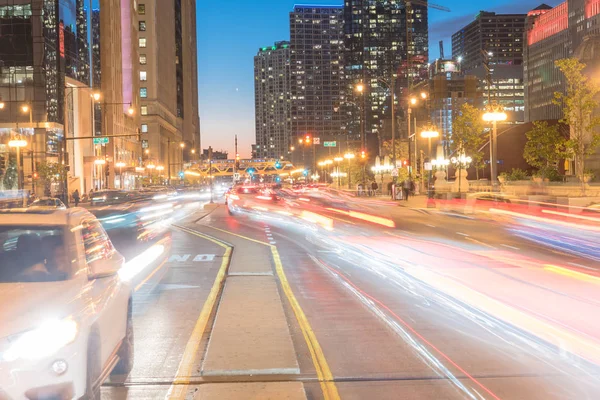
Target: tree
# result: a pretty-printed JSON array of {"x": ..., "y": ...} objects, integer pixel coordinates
[
  {"x": 10, "y": 180},
  {"x": 51, "y": 173},
  {"x": 401, "y": 149},
  {"x": 579, "y": 104},
  {"x": 545, "y": 147},
  {"x": 468, "y": 135}
]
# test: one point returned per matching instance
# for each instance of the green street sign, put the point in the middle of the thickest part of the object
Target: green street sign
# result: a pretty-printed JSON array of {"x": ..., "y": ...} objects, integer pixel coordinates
[
  {"x": 329, "y": 144},
  {"x": 100, "y": 140}
]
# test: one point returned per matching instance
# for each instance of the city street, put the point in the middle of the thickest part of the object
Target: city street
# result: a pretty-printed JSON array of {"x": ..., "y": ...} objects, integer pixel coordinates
[{"x": 440, "y": 306}]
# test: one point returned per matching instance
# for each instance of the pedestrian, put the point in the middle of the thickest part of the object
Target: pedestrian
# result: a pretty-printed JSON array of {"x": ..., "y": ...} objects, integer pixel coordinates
[
  {"x": 76, "y": 197},
  {"x": 358, "y": 189},
  {"x": 389, "y": 187},
  {"x": 374, "y": 188},
  {"x": 406, "y": 187}
]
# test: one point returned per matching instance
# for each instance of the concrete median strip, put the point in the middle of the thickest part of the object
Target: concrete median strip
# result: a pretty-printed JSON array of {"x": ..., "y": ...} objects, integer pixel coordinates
[
  {"x": 243, "y": 391},
  {"x": 250, "y": 335}
]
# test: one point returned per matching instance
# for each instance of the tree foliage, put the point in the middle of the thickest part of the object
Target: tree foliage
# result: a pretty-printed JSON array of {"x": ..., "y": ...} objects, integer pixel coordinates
[
  {"x": 579, "y": 104},
  {"x": 468, "y": 134},
  {"x": 51, "y": 173},
  {"x": 545, "y": 148},
  {"x": 10, "y": 179},
  {"x": 401, "y": 149}
]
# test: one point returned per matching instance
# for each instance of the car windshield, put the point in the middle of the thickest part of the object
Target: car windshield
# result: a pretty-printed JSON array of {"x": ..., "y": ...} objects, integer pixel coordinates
[{"x": 32, "y": 254}]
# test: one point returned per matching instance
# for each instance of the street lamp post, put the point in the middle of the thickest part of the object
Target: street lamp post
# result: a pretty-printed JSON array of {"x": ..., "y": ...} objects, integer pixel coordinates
[
  {"x": 17, "y": 144},
  {"x": 160, "y": 170},
  {"x": 182, "y": 145},
  {"x": 461, "y": 162},
  {"x": 349, "y": 156},
  {"x": 429, "y": 133},
  {"x": 120, "y": 165},
  {"x": 338, "y": 160},
  {"x": 494, "y": 117}
]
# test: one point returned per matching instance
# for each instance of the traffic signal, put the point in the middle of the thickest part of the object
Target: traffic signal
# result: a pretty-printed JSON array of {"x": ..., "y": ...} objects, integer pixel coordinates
[
  {"x": 278, "y": 164},
  {"x": 251, "y": 171},
  {"x": 36, "y": 175},
  {"x": 305, "y": 172},
  {"x": 181, "y": 175},
  {"x": 363, "y": 154},
  {"x": 307, "y": 139}
]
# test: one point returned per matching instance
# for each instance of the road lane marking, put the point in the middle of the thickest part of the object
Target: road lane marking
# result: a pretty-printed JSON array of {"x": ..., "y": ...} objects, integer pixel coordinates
[
  {"x": 510, "y": 247},
  {"x": 462, "y": 234},
  {"x": 178, "y": 389},
  {"x": 573, "y": 274},
  {"x": 324, "y": 374},
  {"x": 582, "y": 266},
  {"x": 480, "y": 243},
  {"x": 431, "y": 226},
  {"x": 142, "y": 283}
]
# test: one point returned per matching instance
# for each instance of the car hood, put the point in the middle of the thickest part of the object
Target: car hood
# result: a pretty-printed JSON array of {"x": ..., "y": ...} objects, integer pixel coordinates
[{"x": 24, "y": 306}]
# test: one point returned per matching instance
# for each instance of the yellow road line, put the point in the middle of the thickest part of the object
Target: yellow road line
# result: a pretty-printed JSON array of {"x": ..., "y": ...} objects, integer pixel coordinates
[
  {"x": 142, "y": 283},
  {"x": 324, "y": 374},
  {"x": 178, "y": 389},
  {"x": 571, "y": 273}
]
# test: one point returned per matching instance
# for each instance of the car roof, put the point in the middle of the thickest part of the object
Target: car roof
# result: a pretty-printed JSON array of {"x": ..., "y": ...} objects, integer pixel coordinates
[{"x": 24, "y": 216}]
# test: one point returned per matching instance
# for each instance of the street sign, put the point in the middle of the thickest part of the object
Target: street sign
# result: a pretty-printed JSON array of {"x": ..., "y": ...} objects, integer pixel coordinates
[
  {"x": 395, "y": 172},
  {"x": 329, "y": 144},
  {"x": 428, "y": 166},
  {"x": 317, "y": 140},
  {"x": 100, "y": 140}
]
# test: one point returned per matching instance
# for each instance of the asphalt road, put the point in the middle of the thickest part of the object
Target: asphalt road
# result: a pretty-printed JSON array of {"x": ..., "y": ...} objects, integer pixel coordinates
[{"x": 439, "y": 307}]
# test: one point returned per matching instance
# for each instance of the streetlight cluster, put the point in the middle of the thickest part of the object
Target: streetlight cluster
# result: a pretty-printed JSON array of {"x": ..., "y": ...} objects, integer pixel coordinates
[{"x": 96, "y": 96}]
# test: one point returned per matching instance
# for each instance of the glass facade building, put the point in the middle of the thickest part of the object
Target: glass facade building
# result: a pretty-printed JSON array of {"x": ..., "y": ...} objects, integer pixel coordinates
[
  {"x": 272, "y": 97},
  {"x": 377, "y": 46},
  {"x": 317, "y": 71}
]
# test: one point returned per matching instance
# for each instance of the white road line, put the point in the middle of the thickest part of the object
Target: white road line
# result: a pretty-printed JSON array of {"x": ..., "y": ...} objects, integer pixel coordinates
[
  {"x": 510, "y": 247},
  {"x": 581, "y": 266},
  {"x": 431, "y": 226},
  {"x": 273, "y": 242},
  {"x": 462, "y": 234}
]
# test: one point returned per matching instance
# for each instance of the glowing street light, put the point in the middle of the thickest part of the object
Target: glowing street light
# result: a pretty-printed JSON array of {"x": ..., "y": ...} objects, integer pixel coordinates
[
  {"x": 413, "y": 100},
  {"x": 130, "y": 110},
  {"x": 96, "y": 96},
  {"x": 17, "y": 143},
  {"x": 349, "y": 156},
  {"x": 1, "y": 105},
  {"x": 25, "y": 108},
  {"x": 423, "y": 95},
  {"x": 494, "y": 116},
  {"x": 360, "y": 88},
  {"x": 120, "y": 165},
  {"x": 160, "y": 168},
  {"x": 429, "y": 133},
  {"x": 99, "y": 161},
  {"x": 182, "y": 145}
]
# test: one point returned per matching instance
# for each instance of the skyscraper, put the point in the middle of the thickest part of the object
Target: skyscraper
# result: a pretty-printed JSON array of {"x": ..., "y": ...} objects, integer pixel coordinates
[
  {"x": 499, "y": 38},
  {"x": 168, "y": 80},
  {"x": 317, "y": 71},
  {"x": 272, "y": 100},
  {"x": 377, "y": 48}
]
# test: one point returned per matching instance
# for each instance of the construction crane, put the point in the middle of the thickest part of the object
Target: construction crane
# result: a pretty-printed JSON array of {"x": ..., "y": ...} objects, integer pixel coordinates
[{"x": 409, "y": 29}]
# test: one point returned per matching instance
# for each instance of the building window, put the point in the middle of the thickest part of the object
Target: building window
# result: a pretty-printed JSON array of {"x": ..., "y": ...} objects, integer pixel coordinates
[
  {"x": 142, "y": 26},
  {"x": 143, "y": 60},
  {"x": 143, "y": 92},
  {"x": 141, "y": 9},
  {"x": 144, "y": 128},
  {"x": 143, "y": 76},
  {"x": 144, "y": 110},
  {"x": 142, "y": 42}
]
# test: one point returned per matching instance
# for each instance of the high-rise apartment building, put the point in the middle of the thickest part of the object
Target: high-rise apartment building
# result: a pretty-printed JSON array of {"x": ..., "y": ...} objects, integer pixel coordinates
[
  {"x": 168, "y": 82},
  {"x": 46, "y": 80},
  {"x": 498, "y": 38},
  {"x": 317, "y": 71},
  {"x": 377, "y": 48},
  {"x": 272, "y": 98}
]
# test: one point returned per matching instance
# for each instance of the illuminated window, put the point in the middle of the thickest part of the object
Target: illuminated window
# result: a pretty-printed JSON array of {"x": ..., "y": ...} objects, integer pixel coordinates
[
  {"x": 143, "y": 76},
  {"x": 142, "y": 26},
  {"x": 144, "y": 128},
  {"x": 141, "y": 9},
  {"x": 143, "y": 92},
  {"x": 142, "y": 43},
  {"x": 143, "y": 60},
  {"x": 144, "y": 110}
]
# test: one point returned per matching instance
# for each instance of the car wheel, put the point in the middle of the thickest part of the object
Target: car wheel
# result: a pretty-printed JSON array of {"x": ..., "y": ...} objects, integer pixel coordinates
[
  {"x": 230, "y": 210},
  {"x": 125, "y": 353},
  {"x": 93, "y": 368}
]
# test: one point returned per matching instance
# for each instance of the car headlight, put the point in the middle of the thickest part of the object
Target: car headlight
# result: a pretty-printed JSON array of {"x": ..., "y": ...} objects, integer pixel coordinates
[{"x": 41, "y": 342}]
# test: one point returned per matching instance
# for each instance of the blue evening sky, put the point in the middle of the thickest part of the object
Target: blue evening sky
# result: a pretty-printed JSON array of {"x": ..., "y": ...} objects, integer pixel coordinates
[{"x": 230, "y": 33}]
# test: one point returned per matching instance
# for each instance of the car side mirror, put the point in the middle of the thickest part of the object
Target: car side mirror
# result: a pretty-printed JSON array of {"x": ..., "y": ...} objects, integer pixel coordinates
[{"x": 106, "y": 267}]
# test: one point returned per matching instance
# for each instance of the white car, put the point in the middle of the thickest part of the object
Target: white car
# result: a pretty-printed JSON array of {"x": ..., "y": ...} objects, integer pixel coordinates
[
  {"x": 65, "y": 313},
  {"x": 48, "y": 203}
]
